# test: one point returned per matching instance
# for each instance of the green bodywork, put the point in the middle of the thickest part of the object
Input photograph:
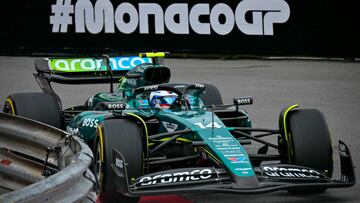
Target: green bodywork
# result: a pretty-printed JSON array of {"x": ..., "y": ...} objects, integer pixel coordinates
[{"x": 204, "y": 123}]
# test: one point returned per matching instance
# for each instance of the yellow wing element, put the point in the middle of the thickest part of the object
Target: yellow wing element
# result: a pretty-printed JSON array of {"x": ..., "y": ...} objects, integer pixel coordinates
[{"x": 154, "y": 54}]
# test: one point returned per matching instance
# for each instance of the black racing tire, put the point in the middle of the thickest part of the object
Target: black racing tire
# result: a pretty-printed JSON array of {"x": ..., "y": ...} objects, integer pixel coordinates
[
  {"x": 311, "y": 142},
  {"x": 211, "y": 96},
  {"x": 124, "y": 136},
  {"x": 37, "y": 106}
]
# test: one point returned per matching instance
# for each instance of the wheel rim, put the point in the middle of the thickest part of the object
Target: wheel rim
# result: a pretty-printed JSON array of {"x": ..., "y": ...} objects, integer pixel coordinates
[
  {"x": 9, "y": 107},
  {"x": 98, "y": 170}
]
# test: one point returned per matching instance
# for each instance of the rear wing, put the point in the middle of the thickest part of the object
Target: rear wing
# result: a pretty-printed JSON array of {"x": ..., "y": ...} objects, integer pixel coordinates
[{"x": 84, "y": 70}]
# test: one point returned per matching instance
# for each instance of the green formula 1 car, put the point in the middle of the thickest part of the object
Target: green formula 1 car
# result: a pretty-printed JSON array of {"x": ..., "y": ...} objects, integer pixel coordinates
[{"x": 152, "y": 137}]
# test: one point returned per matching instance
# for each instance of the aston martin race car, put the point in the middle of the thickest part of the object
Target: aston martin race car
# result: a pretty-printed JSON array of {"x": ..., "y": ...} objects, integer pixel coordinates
[{"x": 150, "y": 136}]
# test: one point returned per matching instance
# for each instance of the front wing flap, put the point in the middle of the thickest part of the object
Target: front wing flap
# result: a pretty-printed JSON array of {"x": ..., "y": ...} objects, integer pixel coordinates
[{"x": 201, "y": 180}]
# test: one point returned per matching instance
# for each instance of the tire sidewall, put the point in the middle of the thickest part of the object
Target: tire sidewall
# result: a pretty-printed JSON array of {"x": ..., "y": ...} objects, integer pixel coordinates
[{"x": 105, "y": 142}]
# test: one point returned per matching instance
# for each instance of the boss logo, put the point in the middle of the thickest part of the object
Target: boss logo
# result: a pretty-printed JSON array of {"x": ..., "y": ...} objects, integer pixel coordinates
[
  {"x": 243, "y": 101},
  {"x": 115, "y": 106},
  {"x": 112, "y": 106},
  {"x": 90, "y": 122}
]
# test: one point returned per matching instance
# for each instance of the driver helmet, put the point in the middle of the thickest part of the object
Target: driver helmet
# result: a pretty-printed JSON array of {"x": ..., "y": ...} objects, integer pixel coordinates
[{"x": 162, "y": 99}]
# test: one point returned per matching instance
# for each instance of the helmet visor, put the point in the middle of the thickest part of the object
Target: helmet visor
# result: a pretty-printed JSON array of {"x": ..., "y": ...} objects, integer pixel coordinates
[{"x": 168, "y": 100}]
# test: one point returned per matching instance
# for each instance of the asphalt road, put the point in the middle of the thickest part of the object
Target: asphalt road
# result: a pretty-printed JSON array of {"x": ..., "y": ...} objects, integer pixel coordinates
[{"x": 333, "y": 87}]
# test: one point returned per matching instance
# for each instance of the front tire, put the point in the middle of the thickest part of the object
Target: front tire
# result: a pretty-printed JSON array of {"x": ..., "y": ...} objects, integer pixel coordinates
[
  {"x": 310, "y": 142},
  {"x": 124, "y": 136}
]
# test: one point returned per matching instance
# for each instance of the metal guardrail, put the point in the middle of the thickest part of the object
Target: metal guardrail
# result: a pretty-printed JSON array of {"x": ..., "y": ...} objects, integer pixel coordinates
[{"x": 39, "y": 163}]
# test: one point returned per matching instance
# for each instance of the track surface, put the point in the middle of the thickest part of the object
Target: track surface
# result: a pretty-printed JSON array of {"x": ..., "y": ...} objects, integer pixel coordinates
[{"x": 332, "y": 87}]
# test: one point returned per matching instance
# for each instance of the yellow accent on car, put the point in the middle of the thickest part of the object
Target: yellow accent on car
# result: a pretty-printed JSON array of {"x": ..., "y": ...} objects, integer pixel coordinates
[
  {"x": 183, "y": 139},
  {"x": 288, "y": 136},
  {"x": 153, "y": 54},
  {"x": 209, "y": 153},
  {"x": 11, "y": 105},
  {"x": 178, "y": 139},
  {"x": 101, "y": 178},
  {"x": 143, "y": 122},
  {"x": 146, "y": 135},
  {"x": 101, "y": 144}
]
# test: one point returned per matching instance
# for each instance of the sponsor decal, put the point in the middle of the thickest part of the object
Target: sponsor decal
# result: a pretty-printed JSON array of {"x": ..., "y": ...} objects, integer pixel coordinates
[
  {"x": 115, "y": 106},
  {"x": 243, "y": 101},
  {"x": 290, "y": 172},
  {"x": 220, "y": 138},
  {"x": 119, "y": 163},
  {"x": 241, "y": 159},
  {"x": 151, "y": 88},
  {"x": 210, "y": 125},
  {"x": 228, "y": 148},
  {"x": 90, "y": 122},
  {"x": 243, "y": 169},
  {"x": 170, "y": 127},
  {"x": 230, "y": 155},
  {"x": 230, "y": 152},
  {"x": 250, "y": 17},
  {"x": 195, "y": 175},
  {"x": 199, "y": 86},
  {"x": 72, "y": 131},
  {"x": 92, "y": 64}
]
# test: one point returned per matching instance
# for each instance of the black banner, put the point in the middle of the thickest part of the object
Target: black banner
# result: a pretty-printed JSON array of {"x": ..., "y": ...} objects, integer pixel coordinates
[{"x": 251, "y": 27}]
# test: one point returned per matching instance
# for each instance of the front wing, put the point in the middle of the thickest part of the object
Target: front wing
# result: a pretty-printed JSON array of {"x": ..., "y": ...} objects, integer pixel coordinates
[{"x": 202, "y": 180}]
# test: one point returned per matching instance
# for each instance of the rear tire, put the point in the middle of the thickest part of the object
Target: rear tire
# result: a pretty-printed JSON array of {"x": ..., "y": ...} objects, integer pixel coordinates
[
  {"x": 211, "y": 96},
  {"x": 124, "y": 136},
  {"x": 310, "y": 141},
  {"x": 41, "y": 107}
]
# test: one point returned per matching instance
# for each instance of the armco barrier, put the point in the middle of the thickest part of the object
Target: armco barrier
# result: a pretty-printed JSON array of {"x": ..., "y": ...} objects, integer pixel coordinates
[
  {"x": 40, "y": 163},
  {"x": 251, "y": 27}
]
